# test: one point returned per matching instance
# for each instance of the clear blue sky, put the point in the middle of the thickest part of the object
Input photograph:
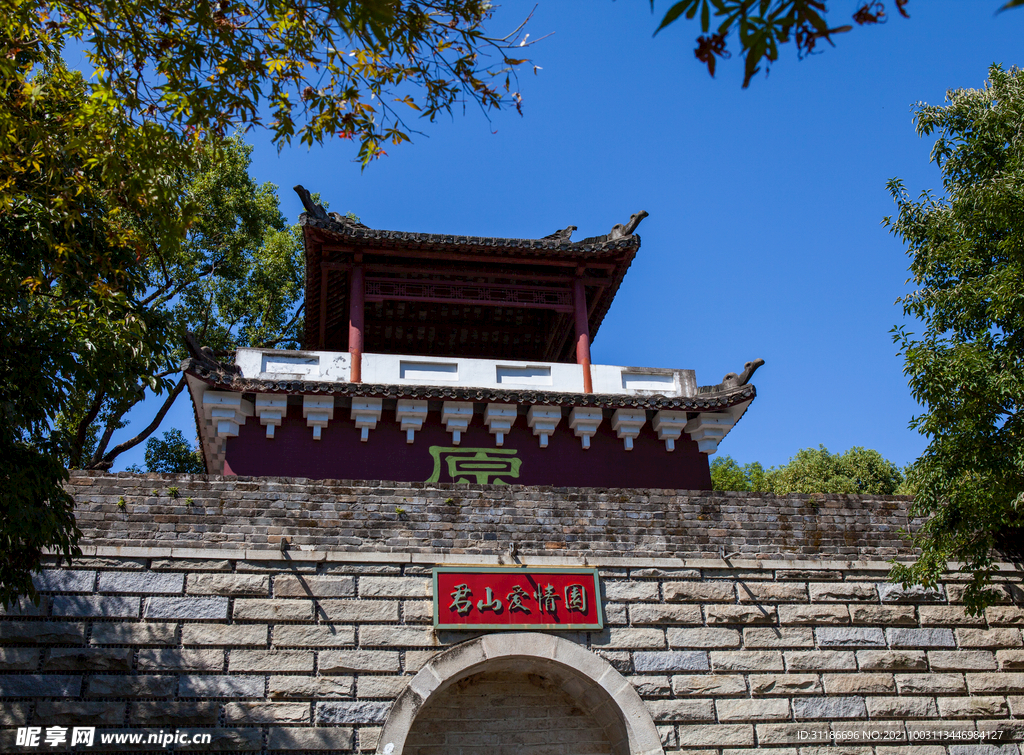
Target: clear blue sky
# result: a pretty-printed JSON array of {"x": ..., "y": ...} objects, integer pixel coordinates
[{"x": 764, "y": 236}]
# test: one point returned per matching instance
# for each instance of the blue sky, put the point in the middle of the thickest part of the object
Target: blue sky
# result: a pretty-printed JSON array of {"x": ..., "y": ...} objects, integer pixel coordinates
[{"x": 764, "y": 237}]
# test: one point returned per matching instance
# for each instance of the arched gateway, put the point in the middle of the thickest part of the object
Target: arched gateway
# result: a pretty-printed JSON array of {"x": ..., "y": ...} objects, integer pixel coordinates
[{"x": 495, "y": 680}]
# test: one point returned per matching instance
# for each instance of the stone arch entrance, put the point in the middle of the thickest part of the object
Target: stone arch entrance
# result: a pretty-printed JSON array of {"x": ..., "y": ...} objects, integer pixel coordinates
[{"x": 536, "y": 669}]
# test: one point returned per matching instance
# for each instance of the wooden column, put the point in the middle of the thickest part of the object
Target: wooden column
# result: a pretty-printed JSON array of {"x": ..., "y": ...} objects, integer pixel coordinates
[
  {"x": 355, "y": 321},
  {"x": 582, "y": 333}
]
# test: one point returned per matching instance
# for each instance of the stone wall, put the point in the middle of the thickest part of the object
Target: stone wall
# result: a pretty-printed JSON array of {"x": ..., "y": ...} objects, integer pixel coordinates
[
  {"x": 389, "y": 517},
  {"x": 308, "y": 650}
]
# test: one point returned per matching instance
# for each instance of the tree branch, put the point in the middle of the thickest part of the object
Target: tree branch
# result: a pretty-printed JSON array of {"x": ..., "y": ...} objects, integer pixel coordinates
[
  {"x": 75, "y": 457},
  {"x": 120, "y": 448}
]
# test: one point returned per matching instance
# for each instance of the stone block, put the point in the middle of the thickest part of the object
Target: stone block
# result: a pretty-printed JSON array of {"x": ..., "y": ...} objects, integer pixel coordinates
[
  {"x": 146, "y": 582},
  {"x": 724, "y": 614},
  {"x": 850, "y": 637},
  {"x": 186, "y": 608},
  {"x": 1010, "y": 660},
  {"x": 137, "y": 633},
  {"x": 308, "y": 739},
  {"x": 395, "y": 587},
  {"x": 354, "y": 712},
  {"x": 314, "y": 687},
  {"x": 1016, "y": 703},
  {"x": 829, "y": 707},
  {"x": 301, "y": 586},
  {"x": 181, "y": 659},
  {"x": 359, "y": 611},
  {"x": 37, "y": 685},
  {"x": 348, "y": 661},
  {"x": 628, "y": 638},
  {"x": 785, "y": 684},
  {"x": 132, "y": 686},
  {"x": 884, "y": 615},
  {"x": 417, "y": 659},
  {"x": 267, "y": 713},
  {"x": 859, "y": 684},
  {"x": 728, "y": 735},
  {"x": 19, "y": 659},
  {"x": 42, "y": 632},
  {"x": 791, "y": 734},
  {"x": 66, "y": 713},
  {"x": 962, "y": 660},
  {"x": 1004, "y": 616},
  {"x": 952, "y": 616},
  {"x": 771, "y": 592},
  {"x": 221, "y": 686},
  {"x": 190, "y": 564},
  {"x": 294, "y": 661},
  {"x": 816, "y": 613},
  {"x": 234, "y": 635},
  {"x": 382, "y": 686},
  {"x": 699, "y": 592},
  {"x": 654, "y": 573},
  {"x": 892, "y": 660},
  {"x": 275, "y": 609},
  {"x": 973, "y": 707},
  {"x": 894, "y": 593},
  {"x": 628, "y": 592},
  {"x": 681, "y": 710},
  {"x": 1006, "y": 683},
  {"x": 746, "y": 660},
  {"x": 422, "y": 612},
  {"x": 22, "y": 606},
  {"x": 400, "y": 636},
  {"x": 988, "y": 638},
  {"x": 646, "y": 686},
  {"x": 773, "y": 637},
  {"x": 173, "y": 713},
  {"x": 911, "y": 750},
  {"x": 1012, "y": 731},
  {"x": 665, "y": 613},
  {"x": 228, "y": 584},
  {"x": 931, "y": 684},
  {"x": 752, "y": 710},
  {"x": 842, "y": 592},
  {"x": 108, "y": 606},
  {"x": 902, "y": 708},
  {"x": 920, "y": 638},
  {"x": 1002, "y": 749},
  {"x": 668, "y": 737},
  {"x": 703, "y": 638},
  {"x": 661, "y": 661},
  {"x": 64, "y": 580},
  {"x": 317, "y": 635},
  {"x": 88, "y": 659},
  {"x": 820, "y": 660},
  {"x": 709, "y": 685}
]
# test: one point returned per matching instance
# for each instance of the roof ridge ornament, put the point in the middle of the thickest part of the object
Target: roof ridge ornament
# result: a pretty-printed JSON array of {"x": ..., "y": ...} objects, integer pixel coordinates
[
  {"x": 620, "y": 231},
  {"x": 563, "y": 235},
  {"x": 732, "y": 380},
  {"x": 312, "y": 208}
]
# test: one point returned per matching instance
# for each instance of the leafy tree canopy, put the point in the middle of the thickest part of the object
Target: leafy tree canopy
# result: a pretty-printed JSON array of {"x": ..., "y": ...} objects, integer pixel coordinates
[
  {"x": 172, "y": 453},
  {"x": 966, "y": 367},
  {"x": 813, "y": 470},
  {"x": 760, "y": 27}
]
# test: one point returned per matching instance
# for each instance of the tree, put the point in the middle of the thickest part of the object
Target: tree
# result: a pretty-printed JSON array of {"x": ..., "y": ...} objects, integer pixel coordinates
[
  {"x": 761, "y": 26},
  {"x": 332, "y": 68},
  {"x": 813, "y": 470},
  {"x": 967, "y": 366},
  {"x": 235, "y": 280},
  {"x": 173, "y": 453}
]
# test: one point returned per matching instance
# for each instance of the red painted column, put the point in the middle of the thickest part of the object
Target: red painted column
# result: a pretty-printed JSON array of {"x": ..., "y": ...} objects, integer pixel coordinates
[
  {"x": 582, "y": 333},
  {"x": 355, "y": 322}
]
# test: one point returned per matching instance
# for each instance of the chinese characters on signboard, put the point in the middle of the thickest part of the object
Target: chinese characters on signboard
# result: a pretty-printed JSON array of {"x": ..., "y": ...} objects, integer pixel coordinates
[{"x": 516, "y": 598}]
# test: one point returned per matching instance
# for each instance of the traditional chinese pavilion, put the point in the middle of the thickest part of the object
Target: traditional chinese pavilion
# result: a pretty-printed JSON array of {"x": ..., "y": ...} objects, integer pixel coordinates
[{"x": 442, "y": 358}]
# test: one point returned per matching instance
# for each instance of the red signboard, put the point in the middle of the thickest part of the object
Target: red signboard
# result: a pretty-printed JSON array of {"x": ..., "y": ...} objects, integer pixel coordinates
[{"x": 516, "y": 598}]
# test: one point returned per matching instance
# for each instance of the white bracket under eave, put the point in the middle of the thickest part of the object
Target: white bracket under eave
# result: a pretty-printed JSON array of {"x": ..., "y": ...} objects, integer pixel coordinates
[
  {"x": 318, "y": 411},
  {"x": 456, "y": 416},
  {"x": 227, "y": 411},
  {"x": 584, "y": 423},
  {"x": 271, "y": 408},
  {"x": 627, "y": 423},
  {"x": 708, "y": 429},
  {"x": 366, "y": 413},
  {"x": 411, "y": 414},
  {"x": 499, "y": 419},
  {"x": 543, "y": 420},
  {"x": 669, "y": 426}
]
